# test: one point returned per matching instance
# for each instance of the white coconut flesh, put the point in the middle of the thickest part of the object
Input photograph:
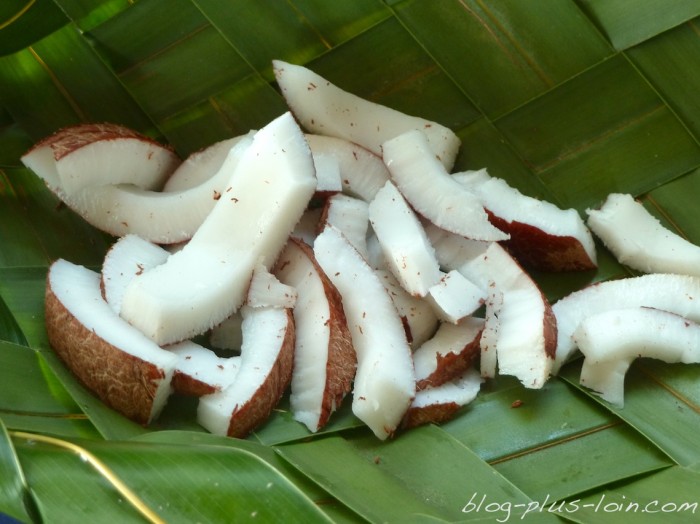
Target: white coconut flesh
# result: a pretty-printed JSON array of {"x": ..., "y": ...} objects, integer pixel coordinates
[
  {"x": 679, "y": 294},
  {"x": 78, "y": 290},
  {"x": 432, "y": 192},
  {"x": 161, "y": 217},
  {"x": 228, "y": 334},
  {"x": 454, "y": 297},
  {"x": 418, "y": 316},
  {"x": 203, "y": 365},
  {"x": 266, "y": 290},
  {"x": 612, "y": 340},
  {"x": 385, "y": 381},
  {"x": 314, "y": 336},
  {"x": 526, "y": 335},
  {"x": 128, "y": 257},
  {"x": 325, "y": 109},
  {"x": 41, "y": 161},
  {"x": 351, "y": 216},
  {"x": 207, "y": 280},
  {"x": 407, "y": 250},
  {"x": 639, "y": 240},
  {"x": 460, "y": 391},
  {"x": 327, "y": 174},
  {"x": 264, "y": 336},
  {"x": 488, "y": 343},
  {"x": 449, "y": 340},
  {"x": 362, "y": 173},
  {"x": 509, "y": 204},
  {"x": 452, "y": 250},
  {"x": 201, "y": 165}
]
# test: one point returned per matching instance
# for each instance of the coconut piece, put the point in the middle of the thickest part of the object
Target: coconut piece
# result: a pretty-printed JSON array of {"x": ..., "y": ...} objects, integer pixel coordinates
[
  {"x": 612, "y": 340},
  {"x": 439, "y": 404},
  {"x": 407, "y": 250},
  {"x": 453, "y": 250},
  {"x": 267, "y": 356},
  {"x": 324, "y": 357},
  {"x": 309, "y": 225},
  {"x": 327, "y": 175},
  {"x": 207, "y": 280},
  {"x": 417, "y": 315},
  {"x": 526, "y": 336},
  {"x": 161, "y": 217},
  {"x": 454, "y": 297},
  {"x": 449, "y": 353},
  {"x": 637, "y": 239},
  {"x": 542, "y": 235},
  {"x": 200, "y": 166},
  {"x": 488, "y": 343},
  {"x": 267, "y": 291},
  {"x": 385, "y": 381},
  {"x": 127, "y": 258},
  {"x": 88, "y": 155},
  {"x": 351, "y": 216},
  {"x": 200, "y": 371},
  {"x": 362, "y": 173},
  {"x": 325, "y": 109},
  {"x": 115, "y": 361},
  {"x": 432, "y": 192},
  {"x": 679, "y": 294}
]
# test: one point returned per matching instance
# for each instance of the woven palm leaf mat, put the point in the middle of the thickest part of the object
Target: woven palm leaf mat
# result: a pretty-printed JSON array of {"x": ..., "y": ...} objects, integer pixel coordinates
[{"x": 567, "y": 100}]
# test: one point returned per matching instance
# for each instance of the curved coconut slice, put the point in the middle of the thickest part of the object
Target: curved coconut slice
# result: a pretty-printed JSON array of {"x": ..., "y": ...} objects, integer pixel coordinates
[
  {"x": 351, "y": 216},
  {"x": 679, "y": 294},
  {"x": 418, "y": 317},
  {"x": 88, "y": 155},
  {"x": 432, "y": 192},
  {"x": 441, "y": 403},
  {"x": 324, "y": 108},
  {"x": 115, "y": 361},
  {"x": 207, "y": 280},
  {"x": 200, "y": 371},
  {"x": 449, "y": 353},
  {"x": 637, "y": 239},
  {"x": 266, "y": 290},
  {"x": 407, "y": 250},
  {"x": 385, "y": 381},
  {"x": 201, "y": 165},
  {"x": 265, "y": 371},
  {"x": 161, "y": 217},
  {"x": 128, "y": 257},
  {"x": 362, "y": 173},
  {"x": 542, "y": 235},
  {"x": 612, "y": 340},
  {"x": 455, "y": 296},
  {"x": 324, "y": 357},
  {"x": 526, "y": 335}
]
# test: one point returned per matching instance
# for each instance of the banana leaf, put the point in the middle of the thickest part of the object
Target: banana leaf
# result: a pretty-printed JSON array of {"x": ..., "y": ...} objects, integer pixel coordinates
[{"x": 568, "y": 100}]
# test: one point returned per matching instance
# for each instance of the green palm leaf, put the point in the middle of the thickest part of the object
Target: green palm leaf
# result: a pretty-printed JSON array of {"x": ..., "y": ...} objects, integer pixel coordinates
[{"x": 568, "y": 100}]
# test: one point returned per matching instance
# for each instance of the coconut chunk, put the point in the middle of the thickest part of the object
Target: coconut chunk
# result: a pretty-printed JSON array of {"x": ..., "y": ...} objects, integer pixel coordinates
[
  {"x": 362, "y": 173},
  {"x": 526, "y": 336},
  {"x": 125, "y": 369},
  {"x": 542, "y": 235},
  {"x": 432, "y": 192},
  {"x": 612, "y": 340},
  {"x": 385, "y": 381},
  {"x": 228, "y": 334},
  {"x": 267, "y": 291},
  {"x": 454, "y": 297},
  {"x": 351, "y": 216},
  {"x": 327, "y": 175},
  {"x": 207, "y": 280},
  {"x": 407, "y": 250},
  {"x": 439, "y": 404},
  {"x": 679, "y": 294},
  {"x": 637, "y": 238},
  {"x": 324, "y": 357},
  {"x": 325, "y": 109},
  {"x": 265, "y": 371},
  {"x": 200, "y": 371},
  {"x": 449, "y": 353}
]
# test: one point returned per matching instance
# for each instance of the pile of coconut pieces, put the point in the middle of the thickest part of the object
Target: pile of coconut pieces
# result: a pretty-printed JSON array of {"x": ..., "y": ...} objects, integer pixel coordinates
[{"x": 331, "y": 252}]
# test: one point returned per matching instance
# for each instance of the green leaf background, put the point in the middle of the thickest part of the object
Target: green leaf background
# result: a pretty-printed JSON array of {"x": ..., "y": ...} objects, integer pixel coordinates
[{"x": 568, "y": 100}]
